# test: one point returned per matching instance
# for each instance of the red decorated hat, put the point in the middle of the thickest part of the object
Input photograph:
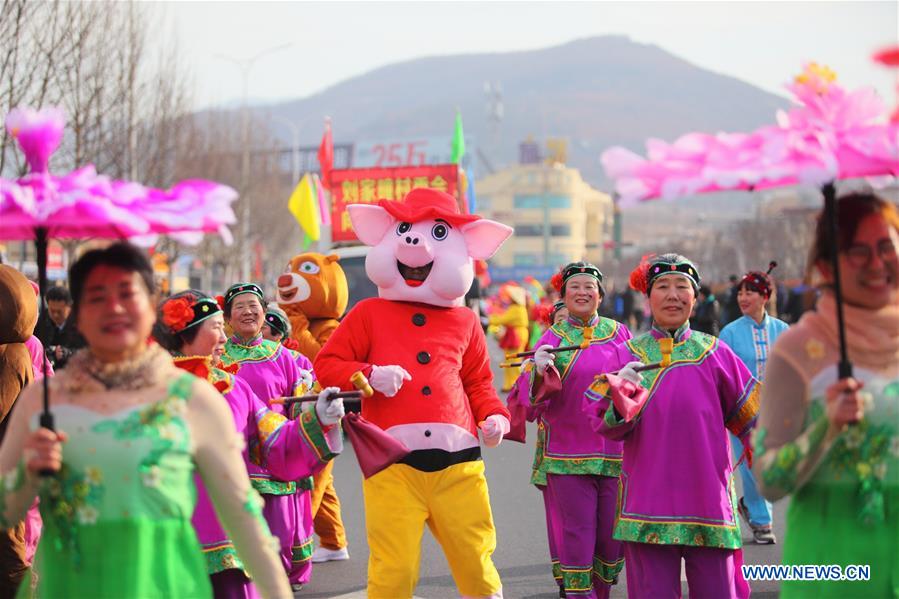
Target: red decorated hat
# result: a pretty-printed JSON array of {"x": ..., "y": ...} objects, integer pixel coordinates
[{"x": 423, "y": 203}]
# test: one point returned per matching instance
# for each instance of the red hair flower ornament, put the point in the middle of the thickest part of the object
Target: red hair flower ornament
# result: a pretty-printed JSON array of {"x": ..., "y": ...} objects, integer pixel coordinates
[
  {"x": 639, "y": 279},
  {"x": 556, "y": 282},
  {"x": 177, "y": 314}
]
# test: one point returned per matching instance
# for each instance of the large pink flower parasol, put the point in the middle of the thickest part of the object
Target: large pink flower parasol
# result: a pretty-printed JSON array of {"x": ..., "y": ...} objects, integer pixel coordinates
[
  {"x": 85, "y": 204},
  {"x": 831, "y": 134}
]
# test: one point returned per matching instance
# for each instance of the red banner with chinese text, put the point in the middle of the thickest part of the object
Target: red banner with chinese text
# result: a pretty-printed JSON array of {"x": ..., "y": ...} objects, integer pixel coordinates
[{"x": 368, "y": 185}]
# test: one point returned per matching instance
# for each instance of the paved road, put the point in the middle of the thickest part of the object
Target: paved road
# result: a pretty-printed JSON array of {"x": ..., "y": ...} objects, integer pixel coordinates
[{"x": 521, "y": 555}]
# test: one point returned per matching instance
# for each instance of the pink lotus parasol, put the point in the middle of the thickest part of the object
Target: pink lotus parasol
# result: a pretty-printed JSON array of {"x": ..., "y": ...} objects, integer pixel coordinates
[
  {"x": 84, "y": 203},
  {"x": 831, "y": 134}
]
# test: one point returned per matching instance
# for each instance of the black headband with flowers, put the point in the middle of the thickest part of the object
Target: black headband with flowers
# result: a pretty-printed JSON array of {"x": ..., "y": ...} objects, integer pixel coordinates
[{"x": 182, "y": 313}]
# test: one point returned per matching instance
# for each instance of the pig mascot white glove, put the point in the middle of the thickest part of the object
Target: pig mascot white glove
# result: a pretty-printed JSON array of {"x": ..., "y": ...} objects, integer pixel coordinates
[
  {"x": 493, "y": 428},
  {"x": 388, "y": 379}
]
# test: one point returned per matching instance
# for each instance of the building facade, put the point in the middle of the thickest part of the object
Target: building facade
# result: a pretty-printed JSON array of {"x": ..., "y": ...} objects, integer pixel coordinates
[{"x": 556, "y": 215}]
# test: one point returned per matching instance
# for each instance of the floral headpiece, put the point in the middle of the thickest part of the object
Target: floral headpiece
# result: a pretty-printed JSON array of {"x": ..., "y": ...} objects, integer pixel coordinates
[
  {"x": 652, "y": 267},
  {"x": 241, "y": 288},
  {"x": 181, "y": 313},
  {"x": 759, "y": 281}
]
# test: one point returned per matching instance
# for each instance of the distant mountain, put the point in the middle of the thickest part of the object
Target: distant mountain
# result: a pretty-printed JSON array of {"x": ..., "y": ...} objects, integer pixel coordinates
[{"x": 595, "y": 92}]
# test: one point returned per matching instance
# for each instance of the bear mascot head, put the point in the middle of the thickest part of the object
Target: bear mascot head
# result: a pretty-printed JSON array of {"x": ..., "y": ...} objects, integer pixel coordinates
[{"x": 313, "y": 292}]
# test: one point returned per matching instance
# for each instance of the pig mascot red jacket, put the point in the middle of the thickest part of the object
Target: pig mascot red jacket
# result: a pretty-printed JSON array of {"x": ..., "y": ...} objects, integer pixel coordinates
[{"x": 426, "y": 358}]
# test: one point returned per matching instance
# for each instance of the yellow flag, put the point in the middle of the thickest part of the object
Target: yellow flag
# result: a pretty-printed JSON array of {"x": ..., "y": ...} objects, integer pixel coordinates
[{"x": 303, "y": 204}]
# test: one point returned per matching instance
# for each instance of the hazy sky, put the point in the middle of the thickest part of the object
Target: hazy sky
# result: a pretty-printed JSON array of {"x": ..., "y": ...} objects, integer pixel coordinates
[{"x": 763, "y": 43}]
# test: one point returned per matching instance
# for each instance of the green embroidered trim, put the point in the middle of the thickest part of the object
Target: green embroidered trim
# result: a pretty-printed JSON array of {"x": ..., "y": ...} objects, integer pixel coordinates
[
  {"x": 557, "y": 571},
  {"x": 610, "y": 418},
  {"x": 10, "y": 482},
  {"x": 222, "y": 557},
  {"x": 538, "y": 476},
  {"x": 677, "y": 533},
  {"x": 306, "y": 484},
  {"x": 607, "y": 571},
  {"x": 267, "y": 486},
  {"x": 315, "y": 436},
  {"x": 223, "y": 381},
  {"x": 261, "y": 352},
  {"x": 586, "y": 466},
  {"x": 302, "y": 553},
  {"x": 604, "y": 330},
  {"x": 692, "y": 351},
  {"x": 577, "y": 580}
]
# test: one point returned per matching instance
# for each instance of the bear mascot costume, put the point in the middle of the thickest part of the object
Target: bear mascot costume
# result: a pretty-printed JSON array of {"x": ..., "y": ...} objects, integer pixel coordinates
[
  {"x": 313, "y": 293},
  {"x": 425, "y": 356},
  {"x": 18, "y": 315}
]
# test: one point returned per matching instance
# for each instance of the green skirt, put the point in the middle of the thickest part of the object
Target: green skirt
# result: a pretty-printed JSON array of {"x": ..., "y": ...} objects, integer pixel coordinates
[
  {"x": 823, "y": 528},
  {"x": 126, "y": 559}
]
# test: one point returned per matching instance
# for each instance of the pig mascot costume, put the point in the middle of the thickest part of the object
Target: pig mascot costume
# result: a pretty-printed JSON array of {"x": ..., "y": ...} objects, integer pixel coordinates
[{"x": 425, "y": 356}]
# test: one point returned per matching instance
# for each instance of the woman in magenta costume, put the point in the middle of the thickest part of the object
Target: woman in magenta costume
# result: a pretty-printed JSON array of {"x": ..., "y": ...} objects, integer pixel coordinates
[
  {"x": 191, "y": 326},
  {"x": 276, "y": 328},
  {"x": 271, "y": 371},
  {"x": 677, "y": 497},
  {"x": 577, "y": 468}
]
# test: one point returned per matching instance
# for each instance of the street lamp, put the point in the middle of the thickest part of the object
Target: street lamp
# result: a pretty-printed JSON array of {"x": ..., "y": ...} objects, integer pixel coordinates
[
  {"x": 245, "y": 65},
  {"x": 294, "y": 145}
]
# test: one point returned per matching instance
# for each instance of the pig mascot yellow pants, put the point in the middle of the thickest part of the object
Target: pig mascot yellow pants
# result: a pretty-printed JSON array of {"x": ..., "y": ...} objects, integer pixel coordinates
[{"x": 454, "y": 503}]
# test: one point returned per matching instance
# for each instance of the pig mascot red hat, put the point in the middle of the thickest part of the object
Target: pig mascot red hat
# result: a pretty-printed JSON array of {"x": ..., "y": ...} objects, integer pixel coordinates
[{"x": 426, "y": 358}]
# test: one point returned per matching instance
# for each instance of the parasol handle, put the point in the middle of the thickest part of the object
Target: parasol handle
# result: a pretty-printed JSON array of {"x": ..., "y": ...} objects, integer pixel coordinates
[
  {"x": 844, "y": 367},
  {"x": 40, "y": 243},
  {"x": 46, "y": 421}
]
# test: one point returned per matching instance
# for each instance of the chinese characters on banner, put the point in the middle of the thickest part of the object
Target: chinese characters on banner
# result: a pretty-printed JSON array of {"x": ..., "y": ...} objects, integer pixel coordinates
[{"x": 368, "y": 185}]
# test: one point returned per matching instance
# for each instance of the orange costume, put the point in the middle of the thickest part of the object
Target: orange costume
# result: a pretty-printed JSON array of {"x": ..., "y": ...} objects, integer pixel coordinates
[{"x": 313, "y": 293}]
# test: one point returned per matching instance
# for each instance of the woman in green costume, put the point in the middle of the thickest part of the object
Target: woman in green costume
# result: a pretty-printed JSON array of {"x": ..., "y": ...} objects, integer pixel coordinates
[
  {"x": 131, "y": 428},
  {"x": 834, "y": 444}
]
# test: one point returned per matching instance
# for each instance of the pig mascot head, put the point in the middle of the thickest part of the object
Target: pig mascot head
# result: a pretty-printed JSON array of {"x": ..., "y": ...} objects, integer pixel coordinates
[{"x": 422, "y": 248}]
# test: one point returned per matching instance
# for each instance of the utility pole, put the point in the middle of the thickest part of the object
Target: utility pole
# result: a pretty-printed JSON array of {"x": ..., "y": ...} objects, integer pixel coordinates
[{"x": 245, "y": 65}]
